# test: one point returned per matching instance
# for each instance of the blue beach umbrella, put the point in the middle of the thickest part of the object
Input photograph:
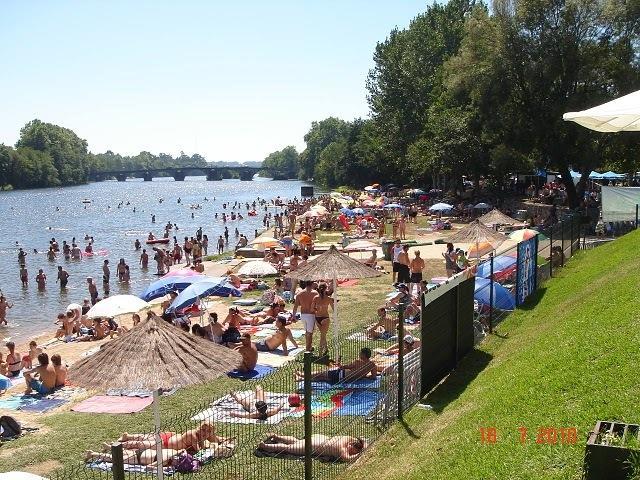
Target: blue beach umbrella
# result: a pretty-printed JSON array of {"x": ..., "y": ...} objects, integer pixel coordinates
[
  {"x": 161, "y": 287},
  {"x": 358, "y": 211},
  {"x": 393, "y": 205},
  {"x": 347, "y": 211},
  {"x": 502, "y": 298},
  {"x": 212, "y": 286},
  {"x": 500, "y": 263}
]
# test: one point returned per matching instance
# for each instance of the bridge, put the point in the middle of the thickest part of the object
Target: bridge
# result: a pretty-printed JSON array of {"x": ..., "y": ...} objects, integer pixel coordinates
[{"x": 179, "y": 173}]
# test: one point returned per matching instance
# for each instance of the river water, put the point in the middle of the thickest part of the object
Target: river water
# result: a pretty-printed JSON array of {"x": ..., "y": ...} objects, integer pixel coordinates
[{"x": 30, "y": 218}]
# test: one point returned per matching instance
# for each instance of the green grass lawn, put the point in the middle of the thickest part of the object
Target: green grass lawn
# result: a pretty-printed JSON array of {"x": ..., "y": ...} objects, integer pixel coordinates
[
  {"x": 567, "y": 359},
  {"x": 63, "y": 437}
]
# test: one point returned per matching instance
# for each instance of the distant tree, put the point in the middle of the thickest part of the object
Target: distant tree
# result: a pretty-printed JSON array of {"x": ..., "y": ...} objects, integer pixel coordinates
[
  {"x": 67, "y": 150},
  {"x": 320, "y": 135},
  {"x": 284, "y": 161}
]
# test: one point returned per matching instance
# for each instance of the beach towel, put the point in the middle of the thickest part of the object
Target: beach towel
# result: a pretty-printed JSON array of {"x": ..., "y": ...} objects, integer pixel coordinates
[
  {"x": 8, "y": 382},
  {"x": 13, "y": 402},
  {"x": 42, "y": 405},
  {"x": 221, "y": 409},
  {"x": 112, "y": 404},
  {"x": 123, "y": 392},
  {"x": 341, "y": 402},
  {"x": 259, "y": 371},
  {"x": 31, "y": 403},
  {"x": 106, "y": 467},
  {"x": 369, "y": 383},
  {"x": 276, "y": 358}
]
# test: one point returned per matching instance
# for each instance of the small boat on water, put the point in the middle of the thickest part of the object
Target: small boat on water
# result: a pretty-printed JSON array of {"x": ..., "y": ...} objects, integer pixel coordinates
[
  {"x": 86, "y": 200},
  {"x": 157, "y": 240}
]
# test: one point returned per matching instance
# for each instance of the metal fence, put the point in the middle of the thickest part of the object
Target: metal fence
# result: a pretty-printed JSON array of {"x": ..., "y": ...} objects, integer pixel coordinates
[
  {"x": 315, "y": 422},
  {"x": 499, "y": 279}
]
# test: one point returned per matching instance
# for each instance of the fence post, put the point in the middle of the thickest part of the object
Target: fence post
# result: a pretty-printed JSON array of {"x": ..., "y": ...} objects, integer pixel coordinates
[
  {"x": 551, "y": 252},
  {"x": 562, "y": 242},
  {"x": 636, "y": 215},
  {"x": 117, "y": 460},
  {"x": 571, "y": 233},
  {"x": 308, "y": 462},
  {"x": 401, "y": 307},
  {"x": 491, "y": 293}
]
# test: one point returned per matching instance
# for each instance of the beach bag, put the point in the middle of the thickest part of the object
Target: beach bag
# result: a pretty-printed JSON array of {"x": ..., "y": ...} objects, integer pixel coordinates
[
  {"x": 186, "y": 464},
  {"x": 9, "y": 427}
]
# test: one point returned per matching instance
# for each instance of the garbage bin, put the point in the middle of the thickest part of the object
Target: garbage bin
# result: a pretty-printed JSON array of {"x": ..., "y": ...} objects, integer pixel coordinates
[{"x": 387, "y": 249}]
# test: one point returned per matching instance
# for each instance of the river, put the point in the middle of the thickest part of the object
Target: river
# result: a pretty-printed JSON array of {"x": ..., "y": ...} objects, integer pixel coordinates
[{"x": 30, "y": 218}]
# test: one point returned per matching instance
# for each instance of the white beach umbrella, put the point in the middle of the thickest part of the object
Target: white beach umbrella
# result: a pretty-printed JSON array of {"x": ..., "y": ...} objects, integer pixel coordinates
[
  {"x": 257, "y": 268},
  {"x": 619, "y": 115},
  {"x": 117, "y": 305},
  {"x": 361, "y": 245}
]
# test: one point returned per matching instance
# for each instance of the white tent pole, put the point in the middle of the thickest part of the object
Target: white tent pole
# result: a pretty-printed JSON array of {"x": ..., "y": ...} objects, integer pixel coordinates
[{"x": 156, "y": 419}]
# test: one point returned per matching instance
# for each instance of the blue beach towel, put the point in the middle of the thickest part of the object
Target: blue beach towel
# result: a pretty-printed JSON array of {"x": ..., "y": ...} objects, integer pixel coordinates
[
  {"x": 259, "y": 372},
  {"x": 42, "y": 405},
  {"x": 360, "y": 402}
]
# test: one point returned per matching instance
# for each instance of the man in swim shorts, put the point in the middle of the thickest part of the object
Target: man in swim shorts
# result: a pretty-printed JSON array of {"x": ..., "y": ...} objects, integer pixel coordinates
[
  {"x": 279, "y": 338},
  {"x": 304, "y": 302},
  {"x": 47, "y": 377},
  {"x": 341, "y": 448}
]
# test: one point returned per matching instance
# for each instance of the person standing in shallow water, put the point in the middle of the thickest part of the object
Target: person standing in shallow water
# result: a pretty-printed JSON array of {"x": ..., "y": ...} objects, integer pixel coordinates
[
  {"x": 63, "y": 277},
  {"x": 41, "y": 280}
]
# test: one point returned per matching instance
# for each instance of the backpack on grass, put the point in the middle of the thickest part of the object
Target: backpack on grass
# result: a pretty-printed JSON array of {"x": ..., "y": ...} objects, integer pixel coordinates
[{"x": 9, "y": 427}]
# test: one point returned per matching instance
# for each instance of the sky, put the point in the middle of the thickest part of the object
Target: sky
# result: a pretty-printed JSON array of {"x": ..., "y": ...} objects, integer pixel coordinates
[{"x": 231, "y": 80}]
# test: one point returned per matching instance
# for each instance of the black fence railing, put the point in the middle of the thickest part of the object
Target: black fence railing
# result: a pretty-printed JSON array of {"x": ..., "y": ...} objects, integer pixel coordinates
[
  {"x": 318, "y": 415},
  {"x": 500, "y": 279}
]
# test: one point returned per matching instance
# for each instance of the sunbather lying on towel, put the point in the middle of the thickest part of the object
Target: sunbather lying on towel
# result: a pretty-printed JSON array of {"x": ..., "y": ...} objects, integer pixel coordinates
[
  {"x": 385, "y": 327},
  {"x": 145, "y": 456},
  {"x": 254, "y": 405},
  {"x": 191, "y": 440},
  {"x": 387, "y": 358},
  {"x": 410, "y": 343},
  {"x": 342, "y": 448},
  {"x": 359, "y": 369}
]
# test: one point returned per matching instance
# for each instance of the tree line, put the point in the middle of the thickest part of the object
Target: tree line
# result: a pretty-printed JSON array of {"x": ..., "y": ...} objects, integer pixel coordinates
[
  {"x": 478, "y": 91},
  {"x": 47, "y": 155}
]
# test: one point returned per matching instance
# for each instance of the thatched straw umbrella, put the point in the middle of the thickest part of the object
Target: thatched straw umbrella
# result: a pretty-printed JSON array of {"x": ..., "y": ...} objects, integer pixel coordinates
[
  {"x": 477, "y": 233},
  {"x": 496, "y": 217},
  {"x": 336, "y": 266},
  {"x": 152, "y": 355}
]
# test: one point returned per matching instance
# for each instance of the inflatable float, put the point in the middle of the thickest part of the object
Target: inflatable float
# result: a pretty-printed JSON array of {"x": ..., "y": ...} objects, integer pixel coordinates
[{"x": 157, "y": 240}]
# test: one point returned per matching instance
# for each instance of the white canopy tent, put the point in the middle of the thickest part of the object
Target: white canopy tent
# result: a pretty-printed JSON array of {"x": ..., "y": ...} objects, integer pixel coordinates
[
  {"x": 619, "y": 115},
  {"x": 619, "y": 203}
]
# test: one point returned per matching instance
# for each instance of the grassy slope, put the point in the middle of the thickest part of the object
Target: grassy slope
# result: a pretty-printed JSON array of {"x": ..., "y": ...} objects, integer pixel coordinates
[{"x": 567, "y": 362}]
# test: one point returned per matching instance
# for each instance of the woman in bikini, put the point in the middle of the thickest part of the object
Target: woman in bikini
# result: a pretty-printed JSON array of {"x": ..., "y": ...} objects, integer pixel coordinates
[
  {"x": 14, "y": 361},
  {"x": 320, "y": 306}
]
